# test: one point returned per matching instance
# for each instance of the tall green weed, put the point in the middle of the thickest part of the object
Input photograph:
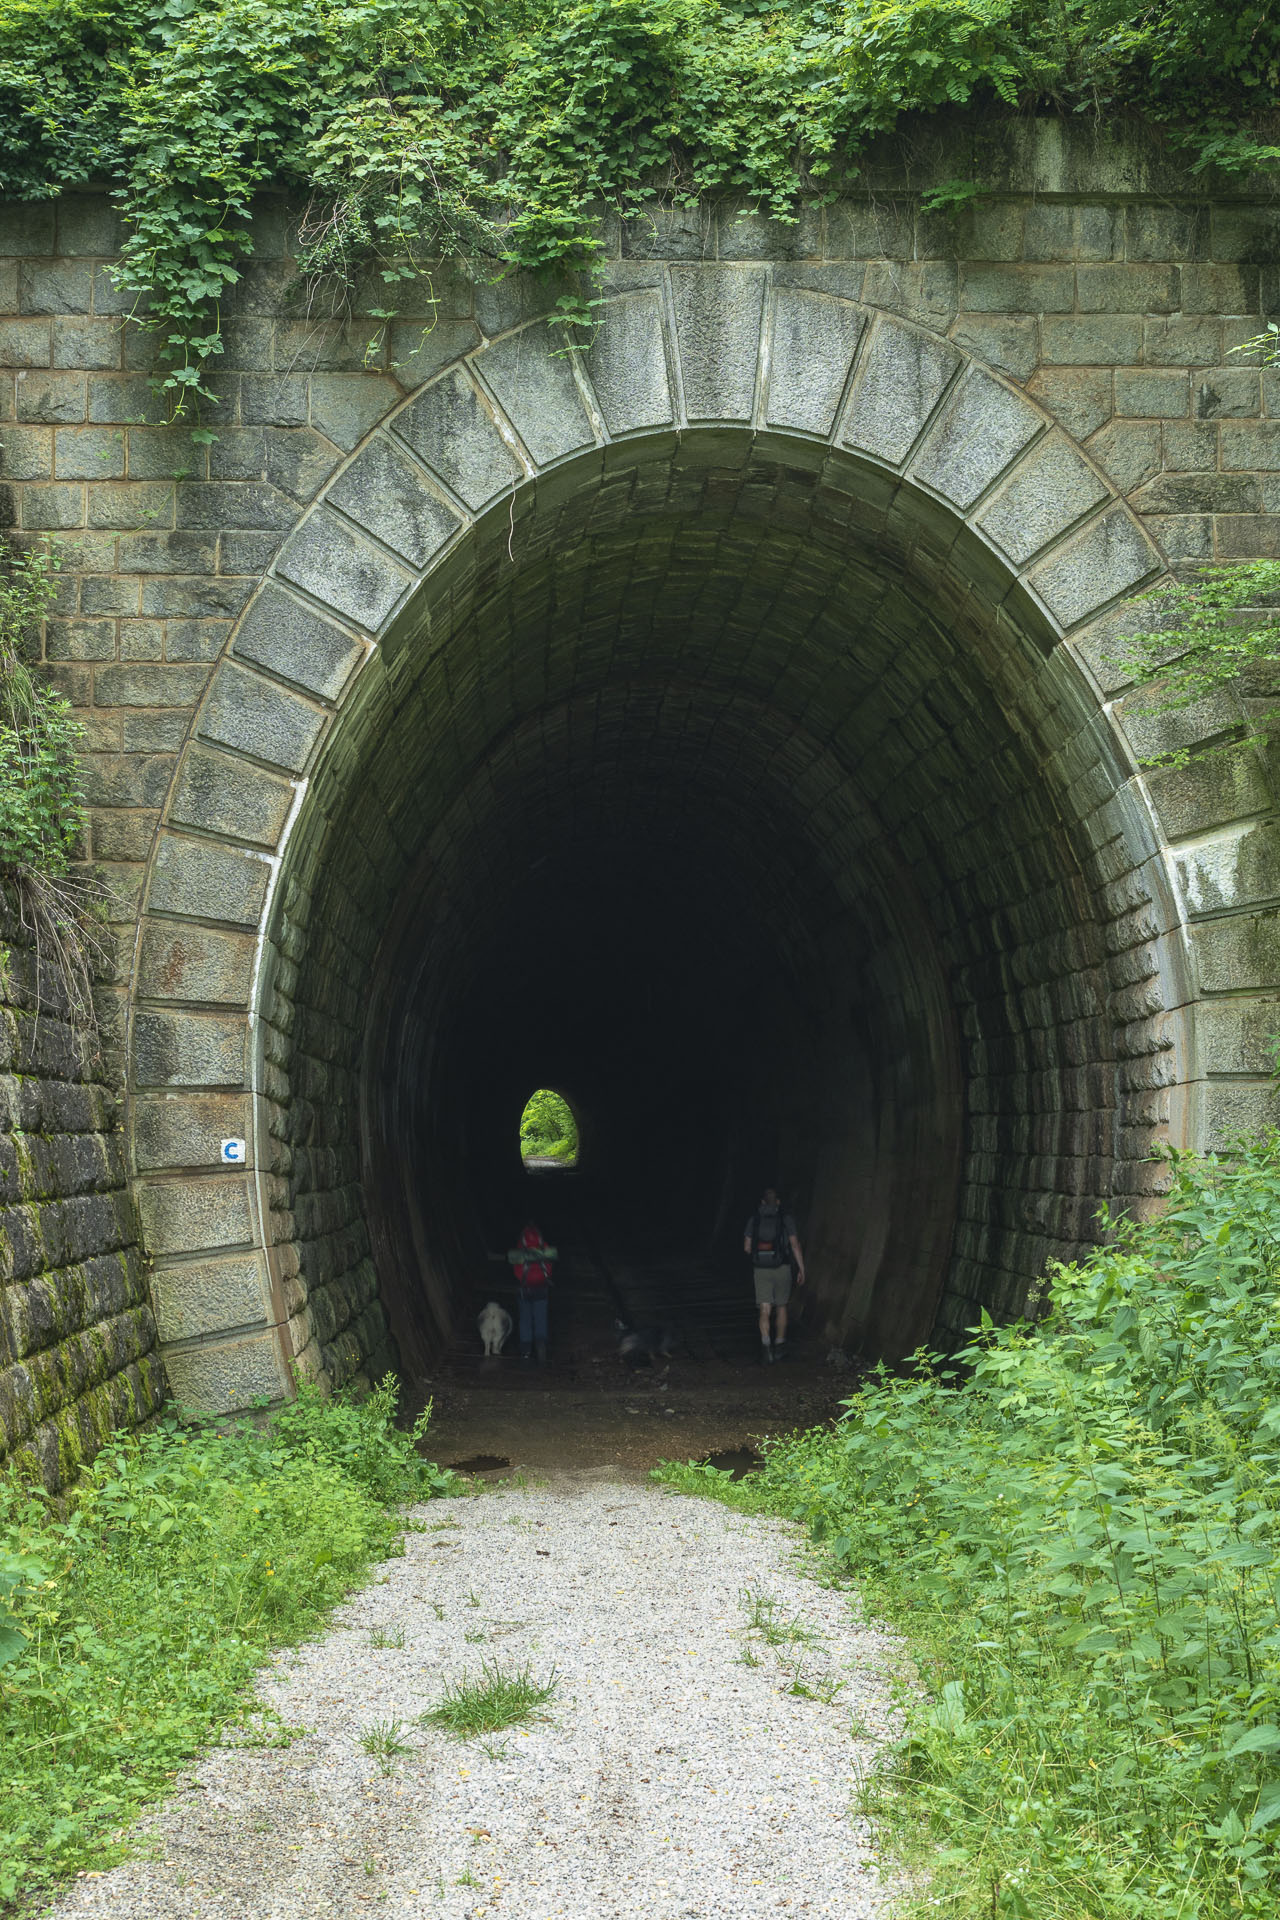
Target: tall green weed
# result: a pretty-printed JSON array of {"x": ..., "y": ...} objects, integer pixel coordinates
[
  {"x": 131, "y": 1627},
  {"x": 1078, "y": 1535}
]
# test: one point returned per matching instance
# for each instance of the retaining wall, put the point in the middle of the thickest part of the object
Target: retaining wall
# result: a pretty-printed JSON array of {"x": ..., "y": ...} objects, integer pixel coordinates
[
  {"x": 78, "y": 1352},
  {"x": 1092, "y": 302}
]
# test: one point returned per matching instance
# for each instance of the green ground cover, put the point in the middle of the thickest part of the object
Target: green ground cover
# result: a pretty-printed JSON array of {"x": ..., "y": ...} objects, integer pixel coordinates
[
  {"x": 132, "y": 1624},
  {"x": 1076, "y": 1531}
]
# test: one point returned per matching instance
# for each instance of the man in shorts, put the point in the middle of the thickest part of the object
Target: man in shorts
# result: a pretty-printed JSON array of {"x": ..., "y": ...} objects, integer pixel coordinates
[{"x": 770, "y": 1241}]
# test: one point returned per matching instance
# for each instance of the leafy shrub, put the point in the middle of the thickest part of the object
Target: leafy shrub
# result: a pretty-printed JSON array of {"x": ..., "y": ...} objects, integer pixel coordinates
[
  {"x": 359, "y": 1439},
  {"x": 414, "y": 127},
  {"x": 1205, "y": 636},
  {"x": 1080, "y": 1538},
  {"x": 136, "y": 1623}
]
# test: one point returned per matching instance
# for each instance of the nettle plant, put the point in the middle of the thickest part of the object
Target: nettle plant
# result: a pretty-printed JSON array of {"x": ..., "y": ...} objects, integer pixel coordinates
[
  {"x": 416, "y": 129},
  {"x": 41, "y": 797},
  {"x": 41, "y": 811}
]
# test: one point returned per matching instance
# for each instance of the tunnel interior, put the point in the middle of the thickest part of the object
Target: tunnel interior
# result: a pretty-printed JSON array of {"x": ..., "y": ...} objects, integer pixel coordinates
[{"x": 735, "y": 789}]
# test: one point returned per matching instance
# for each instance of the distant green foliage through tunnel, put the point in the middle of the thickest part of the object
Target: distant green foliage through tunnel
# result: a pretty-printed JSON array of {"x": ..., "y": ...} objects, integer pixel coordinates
[{"x": 548, "y": 1130}]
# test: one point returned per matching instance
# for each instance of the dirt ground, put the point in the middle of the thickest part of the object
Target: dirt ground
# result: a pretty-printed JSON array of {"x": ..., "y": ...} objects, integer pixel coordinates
[{"x": 542, "y": 1423}]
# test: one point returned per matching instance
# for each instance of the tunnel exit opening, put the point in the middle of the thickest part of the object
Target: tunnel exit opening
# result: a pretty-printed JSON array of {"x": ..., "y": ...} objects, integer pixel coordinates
[
  {"x": 548, "y": 1133},
  {"x": 788, "y": 768}
]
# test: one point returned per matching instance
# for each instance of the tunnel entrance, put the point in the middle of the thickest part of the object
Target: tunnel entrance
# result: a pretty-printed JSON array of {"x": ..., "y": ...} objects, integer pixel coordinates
[{"x": 745, "y": 792}]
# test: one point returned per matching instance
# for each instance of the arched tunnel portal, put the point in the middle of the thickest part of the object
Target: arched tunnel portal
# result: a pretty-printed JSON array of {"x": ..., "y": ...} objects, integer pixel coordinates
[{"x": 740, "y": 790}]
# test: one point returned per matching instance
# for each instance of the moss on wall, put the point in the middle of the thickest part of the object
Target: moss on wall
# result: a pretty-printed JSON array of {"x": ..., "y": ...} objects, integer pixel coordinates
[{"x": 77, "y": 1338}]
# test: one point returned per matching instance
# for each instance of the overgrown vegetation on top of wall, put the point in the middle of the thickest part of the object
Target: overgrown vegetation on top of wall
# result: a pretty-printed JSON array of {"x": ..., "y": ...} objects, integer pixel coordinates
[
  {"x": 1081, "y": 1542},
  {"x": 497, "y": 128},
  {"x": 131, "y": 1628}
]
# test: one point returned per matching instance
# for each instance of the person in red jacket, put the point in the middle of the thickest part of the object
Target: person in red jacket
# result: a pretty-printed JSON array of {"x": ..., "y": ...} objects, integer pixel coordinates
[{"x": 531, "y": 1261}]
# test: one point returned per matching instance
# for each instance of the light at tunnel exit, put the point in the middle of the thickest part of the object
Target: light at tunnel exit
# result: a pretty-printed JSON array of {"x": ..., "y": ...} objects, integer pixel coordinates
[{"x": 548, "y": 1130}]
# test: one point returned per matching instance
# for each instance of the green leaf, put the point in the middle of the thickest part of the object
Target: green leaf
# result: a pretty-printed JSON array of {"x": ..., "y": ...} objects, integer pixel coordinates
[{"x": 1256, "y": 1740}]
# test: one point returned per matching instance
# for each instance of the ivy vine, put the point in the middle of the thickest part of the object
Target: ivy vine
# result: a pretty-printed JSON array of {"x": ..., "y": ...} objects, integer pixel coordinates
[{"x": 498, "y": 129}]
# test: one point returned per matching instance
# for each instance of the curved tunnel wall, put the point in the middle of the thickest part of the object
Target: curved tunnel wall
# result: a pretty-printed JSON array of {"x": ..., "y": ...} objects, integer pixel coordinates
[
  {"x": 765, "y": 601},
  {"x": 684, "y": 787}
]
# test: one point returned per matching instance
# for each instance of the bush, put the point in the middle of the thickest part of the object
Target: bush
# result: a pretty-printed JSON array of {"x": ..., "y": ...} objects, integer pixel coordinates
[
  {"x": 1079, "y": 1539},
  {"x": 131, "y": 1629}
]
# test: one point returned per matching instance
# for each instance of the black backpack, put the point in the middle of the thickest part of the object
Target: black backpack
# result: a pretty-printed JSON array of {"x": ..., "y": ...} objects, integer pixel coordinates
[{"x": 769, "y": 1238}]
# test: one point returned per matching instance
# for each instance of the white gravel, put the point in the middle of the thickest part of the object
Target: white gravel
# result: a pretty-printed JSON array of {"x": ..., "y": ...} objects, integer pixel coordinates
[{"x": 677, "y": 1774}]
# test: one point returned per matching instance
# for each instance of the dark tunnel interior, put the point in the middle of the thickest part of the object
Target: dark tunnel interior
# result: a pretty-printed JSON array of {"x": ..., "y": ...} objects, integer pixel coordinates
[{"x": 735, "y": 790}]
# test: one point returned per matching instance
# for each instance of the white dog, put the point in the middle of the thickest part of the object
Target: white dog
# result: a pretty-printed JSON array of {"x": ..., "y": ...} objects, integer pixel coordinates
[{"x": 495, "y": 1329}]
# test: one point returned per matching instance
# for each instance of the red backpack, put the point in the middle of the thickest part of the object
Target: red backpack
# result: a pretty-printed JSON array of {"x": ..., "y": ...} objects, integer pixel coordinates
[{"x": 533, "y": 1274}]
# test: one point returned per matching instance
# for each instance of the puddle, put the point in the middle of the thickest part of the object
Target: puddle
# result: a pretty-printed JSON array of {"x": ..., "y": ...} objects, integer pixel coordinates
[
  {"x": 480, "y": 1463},
  {"x": 737, "y": 1461}
]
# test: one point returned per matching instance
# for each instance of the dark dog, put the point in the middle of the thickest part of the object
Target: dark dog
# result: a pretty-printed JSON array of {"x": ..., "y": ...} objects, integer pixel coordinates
[{"x": 641, "y": 1346}]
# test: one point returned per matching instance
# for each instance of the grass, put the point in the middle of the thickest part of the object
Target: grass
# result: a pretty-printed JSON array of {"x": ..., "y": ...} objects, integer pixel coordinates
[
  {"x": 134, "y": 1619},
  {"x": 384, "y": 1637},
  {"x": 764, "y": 1617},
  {"x": 826, "y": 1688},
  {"x": 494, "y": 1701},
  {"x": 1075, "y": 1527},
  {"x": 383, "y": 1740}
]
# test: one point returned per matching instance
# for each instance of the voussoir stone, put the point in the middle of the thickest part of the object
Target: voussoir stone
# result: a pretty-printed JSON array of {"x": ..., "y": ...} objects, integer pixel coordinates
[
  {"x": 718, "y": 312},
  {"x": 900, "y": 379},
  {"x": 627, "y": 363},
  {"x": 340, "y": 568},
  {"x": 387, "y": 493},
  {"x": 531, "y": 378},
  {"x": 218, "y": 794},
  {"x": 184, "y": 1049},
  {"x": 1110, "y": 557},
  {"x": 452, "y": 430},
  {"x": 1046, "y": 494},
  {"x": 258, "y": 717},
  {"x": 207, "y": 880},
  {"x": 1239, "y": 869},
  {"x": 295, "y": 642},
  {"x": 812, "y": 344},
  {"x": 195, "y": 963},
  {"x": 980, "y": 431}
]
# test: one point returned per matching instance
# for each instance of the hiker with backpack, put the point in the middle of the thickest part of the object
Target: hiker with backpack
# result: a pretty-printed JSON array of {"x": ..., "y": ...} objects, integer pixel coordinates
[
  {"x": 531, "y": 1263},
  {"x": 770, "y": 1240}
]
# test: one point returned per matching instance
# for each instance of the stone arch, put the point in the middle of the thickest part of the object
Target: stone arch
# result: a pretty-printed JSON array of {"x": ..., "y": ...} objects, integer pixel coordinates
[{"x": 788, "y": 421}]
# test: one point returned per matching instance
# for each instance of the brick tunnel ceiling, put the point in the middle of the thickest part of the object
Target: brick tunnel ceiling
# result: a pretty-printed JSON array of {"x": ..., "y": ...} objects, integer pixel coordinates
[{"x": 711, "y": 790}]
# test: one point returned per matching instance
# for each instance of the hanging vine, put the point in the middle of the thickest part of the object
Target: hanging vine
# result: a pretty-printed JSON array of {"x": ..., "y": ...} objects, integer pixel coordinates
[{"x": 498, "y": 129}]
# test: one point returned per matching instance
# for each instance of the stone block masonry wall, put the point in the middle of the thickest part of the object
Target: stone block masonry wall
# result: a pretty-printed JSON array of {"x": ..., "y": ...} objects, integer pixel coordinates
[
  {"x": 78, "y": 1354},
  {"x": 337, "y": 1325},
  {"x": 1075, "y": 330}
]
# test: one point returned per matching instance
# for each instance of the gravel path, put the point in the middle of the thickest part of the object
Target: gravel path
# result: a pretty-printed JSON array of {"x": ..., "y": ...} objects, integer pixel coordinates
[{"x": 681, "y": 1773}]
